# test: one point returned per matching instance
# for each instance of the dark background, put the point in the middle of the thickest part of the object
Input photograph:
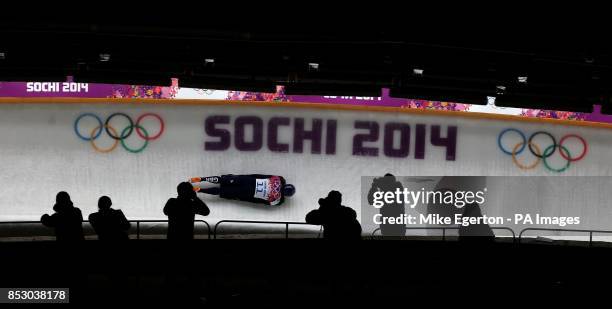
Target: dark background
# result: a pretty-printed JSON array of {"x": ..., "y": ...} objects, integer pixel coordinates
[
  {"x": 315, "y": 273},
  {"x": 465, "y": 51}
]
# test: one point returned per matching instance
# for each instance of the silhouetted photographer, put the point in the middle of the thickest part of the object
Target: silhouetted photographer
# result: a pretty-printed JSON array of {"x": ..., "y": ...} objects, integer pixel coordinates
[
  {"x": 67, "y": 219},
  {"x": 181, "y": 212},
  {"x": 389, "y": 183},
  {"x": 475, "y": 232},
  {"x": 109, "y": 224},
  {"x": 338, "y": 221}
]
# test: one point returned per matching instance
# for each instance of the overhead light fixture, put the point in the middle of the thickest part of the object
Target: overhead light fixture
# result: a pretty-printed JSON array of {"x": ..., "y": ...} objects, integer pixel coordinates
[
  {"x": 522, "y": 79},
  {"x": 209, "y": 62},
  {"x": 104, "y": 57},
  {"x": 500, "y": 90},
  {"x": 417, "y": 72},
  {"x": 312, "y": 66}
]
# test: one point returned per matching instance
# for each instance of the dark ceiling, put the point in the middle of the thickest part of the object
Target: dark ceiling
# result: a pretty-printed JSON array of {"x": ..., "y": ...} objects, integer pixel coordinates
[{"x": 567, "y": 66}]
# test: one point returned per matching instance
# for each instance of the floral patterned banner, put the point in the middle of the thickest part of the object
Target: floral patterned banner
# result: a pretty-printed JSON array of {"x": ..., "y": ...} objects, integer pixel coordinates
[{"x": 71, "y": 89}]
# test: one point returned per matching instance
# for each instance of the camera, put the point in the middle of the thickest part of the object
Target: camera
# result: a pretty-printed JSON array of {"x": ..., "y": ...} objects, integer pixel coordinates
[{"x": 322, "y": 202}]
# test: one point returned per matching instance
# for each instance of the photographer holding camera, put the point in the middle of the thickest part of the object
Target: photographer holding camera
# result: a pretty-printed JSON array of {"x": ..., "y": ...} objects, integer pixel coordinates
[
  {"x": 338, "y": 221},
  {"x": 388, "y": 183},
  {"x": 181, "y": 212}
]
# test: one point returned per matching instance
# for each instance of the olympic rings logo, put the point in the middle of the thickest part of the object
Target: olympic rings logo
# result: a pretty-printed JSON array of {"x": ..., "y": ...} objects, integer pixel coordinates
[
  {"x": 119, "y": 138},
  {"x": 536, "y": 151}
]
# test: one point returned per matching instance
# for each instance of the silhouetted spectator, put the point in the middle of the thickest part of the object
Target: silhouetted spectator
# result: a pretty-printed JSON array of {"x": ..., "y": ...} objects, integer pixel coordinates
[
  {"x": 109, "y": 224},
  {"x": 67, "y": 219},
  {"x": 339, "y": 222},
  {"x": 475, "y": 232},
  {"x": 181, "y": 212},
  {"x": 389, "y": 184}
]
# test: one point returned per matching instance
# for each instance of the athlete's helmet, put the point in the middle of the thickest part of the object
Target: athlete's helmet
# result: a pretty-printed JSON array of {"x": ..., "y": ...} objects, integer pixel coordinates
[{"x": 288, "y": 190}]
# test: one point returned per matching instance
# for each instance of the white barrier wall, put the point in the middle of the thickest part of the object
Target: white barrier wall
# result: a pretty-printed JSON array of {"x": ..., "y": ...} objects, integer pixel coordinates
[{"x": 41, "y": 153}]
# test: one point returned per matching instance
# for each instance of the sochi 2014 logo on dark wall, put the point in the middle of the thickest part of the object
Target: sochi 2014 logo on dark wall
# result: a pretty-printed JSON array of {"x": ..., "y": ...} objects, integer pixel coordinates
[
  {"x": 541, "y": 152},
  {"x": 119, "y": 135}
]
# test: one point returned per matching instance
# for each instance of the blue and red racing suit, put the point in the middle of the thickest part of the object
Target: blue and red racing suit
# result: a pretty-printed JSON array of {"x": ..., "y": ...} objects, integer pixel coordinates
[{"x": 254, "y": 188}]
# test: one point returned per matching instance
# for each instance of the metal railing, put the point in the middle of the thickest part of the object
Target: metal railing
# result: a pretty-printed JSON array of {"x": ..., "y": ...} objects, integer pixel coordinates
[
  {"x": 564, "y": 230},
  {"x": 138, "y": 222},
  {"x": 286, "y": 223},
  {"x": 23, "y": 222},
  {"x": 444, "y": 228},
  {"x": 165, "y": 221},
  {"x": 213, "y": 233}
]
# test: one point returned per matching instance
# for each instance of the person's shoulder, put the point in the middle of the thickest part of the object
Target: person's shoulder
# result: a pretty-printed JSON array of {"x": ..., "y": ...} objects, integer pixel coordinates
[
  {"x": 348, "y": 209},
  {"x": 171, "y": 203},
  {"x": 315, "y": 211},
  {"x": 313, "y": 216}
]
